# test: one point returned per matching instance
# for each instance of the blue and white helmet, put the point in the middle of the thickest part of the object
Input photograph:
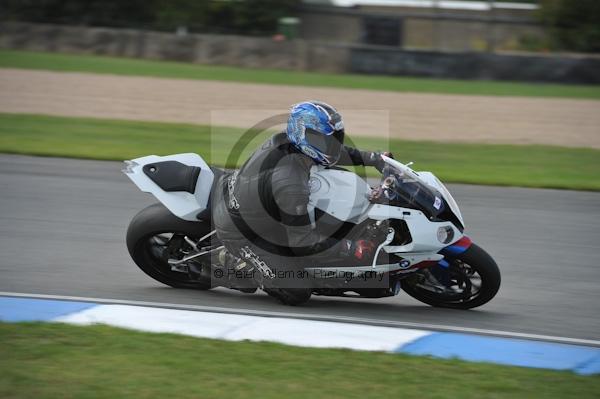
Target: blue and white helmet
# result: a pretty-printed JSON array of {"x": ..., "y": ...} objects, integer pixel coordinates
[{"x": 316, "y": 129}]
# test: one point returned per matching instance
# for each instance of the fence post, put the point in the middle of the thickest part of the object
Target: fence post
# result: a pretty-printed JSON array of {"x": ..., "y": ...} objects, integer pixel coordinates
[{"x": 491, "y": 37}]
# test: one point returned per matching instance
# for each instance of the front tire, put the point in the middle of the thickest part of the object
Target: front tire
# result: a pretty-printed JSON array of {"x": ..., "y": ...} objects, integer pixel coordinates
[
  {"x": 475, "y": 261},
  {"x": 152, "y": 222}
]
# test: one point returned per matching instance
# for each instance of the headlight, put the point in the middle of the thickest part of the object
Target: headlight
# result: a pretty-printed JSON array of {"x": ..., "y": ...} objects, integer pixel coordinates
[{"x": 445, "y": 234}]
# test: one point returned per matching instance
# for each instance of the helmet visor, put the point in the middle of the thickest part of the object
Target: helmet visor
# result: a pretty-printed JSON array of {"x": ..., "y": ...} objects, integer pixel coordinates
[{"x": 329, "y": 145}]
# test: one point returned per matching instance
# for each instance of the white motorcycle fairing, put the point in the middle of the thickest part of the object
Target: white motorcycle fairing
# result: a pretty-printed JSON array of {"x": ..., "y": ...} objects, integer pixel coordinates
[
  {"x": 184, "y": 205},
  {"x": 345, "y": 196},
  {"x": 339, "y": 193},
  {"x": 409, "y": 215}
]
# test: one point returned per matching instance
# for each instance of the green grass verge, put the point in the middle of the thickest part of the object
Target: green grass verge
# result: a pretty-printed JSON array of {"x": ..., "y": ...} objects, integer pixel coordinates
[
  {"x": 527, "y": 166},
  {"x": 137, "y": 67},
  {"x": 62, "y": 361}
]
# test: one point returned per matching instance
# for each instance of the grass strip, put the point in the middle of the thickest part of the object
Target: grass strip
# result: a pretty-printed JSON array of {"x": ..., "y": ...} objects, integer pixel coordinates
[
  {"x": 58, "y": 360},
  {"x": 89, "y": 138},
  {"x": 165, "y": 69}
]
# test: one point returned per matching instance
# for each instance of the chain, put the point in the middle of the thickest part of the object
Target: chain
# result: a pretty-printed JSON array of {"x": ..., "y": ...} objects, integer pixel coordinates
[
  {"x": 233, "y": 202},
  {"x": 249, "y": 255}
]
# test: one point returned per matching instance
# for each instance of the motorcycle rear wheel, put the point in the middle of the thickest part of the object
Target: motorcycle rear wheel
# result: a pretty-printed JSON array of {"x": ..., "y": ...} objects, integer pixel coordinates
[
  {"x": 471, "y": 263},
  {"x": 144, "y": 235}
]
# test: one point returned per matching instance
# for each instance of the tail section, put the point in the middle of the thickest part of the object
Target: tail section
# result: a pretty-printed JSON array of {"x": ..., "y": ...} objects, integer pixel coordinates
[{"x": 182, "y": 182}]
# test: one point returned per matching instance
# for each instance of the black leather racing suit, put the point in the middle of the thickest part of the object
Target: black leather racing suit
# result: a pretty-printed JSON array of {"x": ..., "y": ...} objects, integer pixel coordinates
[{"x": 263, "y": 206}]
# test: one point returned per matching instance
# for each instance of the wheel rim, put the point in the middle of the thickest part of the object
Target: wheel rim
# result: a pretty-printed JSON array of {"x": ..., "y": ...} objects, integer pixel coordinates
[
  {"x": 165, "y": 246},
  {"x": 462, "y": 283}
]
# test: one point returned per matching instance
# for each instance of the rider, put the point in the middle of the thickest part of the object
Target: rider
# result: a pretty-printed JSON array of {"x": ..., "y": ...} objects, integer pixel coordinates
[{"x": 260, "y": 211}]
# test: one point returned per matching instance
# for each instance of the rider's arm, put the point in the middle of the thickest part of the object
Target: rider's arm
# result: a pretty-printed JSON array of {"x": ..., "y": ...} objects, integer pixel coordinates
[
  {"x": 291, "y": 192},
  {"x": 302, "y": 239},
  {"x": 352, "y": 156}
]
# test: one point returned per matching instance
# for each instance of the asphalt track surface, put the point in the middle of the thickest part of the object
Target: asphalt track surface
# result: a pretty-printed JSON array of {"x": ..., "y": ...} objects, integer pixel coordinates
[{"x": 63, "y": 222}]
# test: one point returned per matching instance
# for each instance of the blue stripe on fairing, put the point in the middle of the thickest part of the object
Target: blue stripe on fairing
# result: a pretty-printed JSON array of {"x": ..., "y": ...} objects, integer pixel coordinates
[
  {"x": 454, "y": 250},
  {"x": 507, "y": 351},
  {"x": 26, "y": 309}
]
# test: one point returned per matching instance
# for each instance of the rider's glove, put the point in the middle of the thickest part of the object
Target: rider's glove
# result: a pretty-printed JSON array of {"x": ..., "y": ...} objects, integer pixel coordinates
[
  {"x": 379, "y": 162},
  {"x": 360, "y": 250}
]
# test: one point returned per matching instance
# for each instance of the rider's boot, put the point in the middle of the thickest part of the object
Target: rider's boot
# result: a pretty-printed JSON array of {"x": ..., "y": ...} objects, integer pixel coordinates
[{"x": 236, "y": 269}]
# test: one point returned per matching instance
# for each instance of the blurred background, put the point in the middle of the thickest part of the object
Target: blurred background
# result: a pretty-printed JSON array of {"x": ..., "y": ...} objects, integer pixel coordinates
[
  {"x": 519, "y": 40},
  {"x": 487, "y": 93}
]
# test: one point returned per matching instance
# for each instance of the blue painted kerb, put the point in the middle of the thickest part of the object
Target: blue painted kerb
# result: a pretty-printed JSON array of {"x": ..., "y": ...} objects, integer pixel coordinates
[
  {"x": 508, "y": 351},
  {"x": 25, "y": 309}
]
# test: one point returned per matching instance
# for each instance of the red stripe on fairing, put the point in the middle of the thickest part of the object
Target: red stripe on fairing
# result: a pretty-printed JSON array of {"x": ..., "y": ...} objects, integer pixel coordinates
[
  {"x": 465, "y": 242},
  {"x": 422, "y": 265}
]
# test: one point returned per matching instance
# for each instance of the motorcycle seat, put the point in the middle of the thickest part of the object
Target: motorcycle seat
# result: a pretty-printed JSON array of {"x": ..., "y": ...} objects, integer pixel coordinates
[{"x": 206, "y": 214}]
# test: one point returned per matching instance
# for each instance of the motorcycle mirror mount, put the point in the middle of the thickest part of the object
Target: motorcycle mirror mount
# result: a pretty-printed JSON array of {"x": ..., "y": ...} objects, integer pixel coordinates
[{"x": 402, "y": 167}]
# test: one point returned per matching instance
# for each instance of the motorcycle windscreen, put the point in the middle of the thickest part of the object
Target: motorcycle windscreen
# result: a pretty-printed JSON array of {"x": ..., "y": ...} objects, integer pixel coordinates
[
  {"x": 405, "y": 191},
  {"x": 330, "y": 145}
]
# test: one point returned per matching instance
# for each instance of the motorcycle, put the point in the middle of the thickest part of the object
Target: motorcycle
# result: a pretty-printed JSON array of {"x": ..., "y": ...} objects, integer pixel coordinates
[{"x": 416, "y": 223}]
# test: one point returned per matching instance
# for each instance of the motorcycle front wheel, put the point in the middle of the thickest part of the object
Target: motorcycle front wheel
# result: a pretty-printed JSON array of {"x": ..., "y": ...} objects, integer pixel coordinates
[{"x": 471, "y": 280}]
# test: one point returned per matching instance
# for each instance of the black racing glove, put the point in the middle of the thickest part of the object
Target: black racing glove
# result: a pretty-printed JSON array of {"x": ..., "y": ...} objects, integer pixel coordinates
[{"x": 379, "y": 162}]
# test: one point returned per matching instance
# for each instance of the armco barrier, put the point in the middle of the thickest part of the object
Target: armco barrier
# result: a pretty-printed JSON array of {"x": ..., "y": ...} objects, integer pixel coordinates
[
  {"x": 300, "y": 55},
  {"x": 470, "y": 65},
  {"x": 309, "y": 333}
]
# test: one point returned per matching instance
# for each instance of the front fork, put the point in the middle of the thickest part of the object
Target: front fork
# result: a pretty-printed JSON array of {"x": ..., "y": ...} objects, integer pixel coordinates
[{"x": 440, "y": 271}]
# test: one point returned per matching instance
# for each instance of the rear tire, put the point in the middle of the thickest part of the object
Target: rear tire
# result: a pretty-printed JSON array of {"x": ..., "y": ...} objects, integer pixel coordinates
[
  {"x": 290, "y": 296},
  {"x": 478, "y": 260},
  {"x": 155, "y": 220}
]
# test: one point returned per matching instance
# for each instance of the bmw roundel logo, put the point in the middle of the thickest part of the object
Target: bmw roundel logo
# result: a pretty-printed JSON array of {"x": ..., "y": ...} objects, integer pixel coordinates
[{"x": 404, "y": 263}]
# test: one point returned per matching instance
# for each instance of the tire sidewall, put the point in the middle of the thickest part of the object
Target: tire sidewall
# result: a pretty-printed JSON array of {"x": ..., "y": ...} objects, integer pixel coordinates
[
  {"x": 153, "y": 220},
  {"x": 486, "y": 267}
]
